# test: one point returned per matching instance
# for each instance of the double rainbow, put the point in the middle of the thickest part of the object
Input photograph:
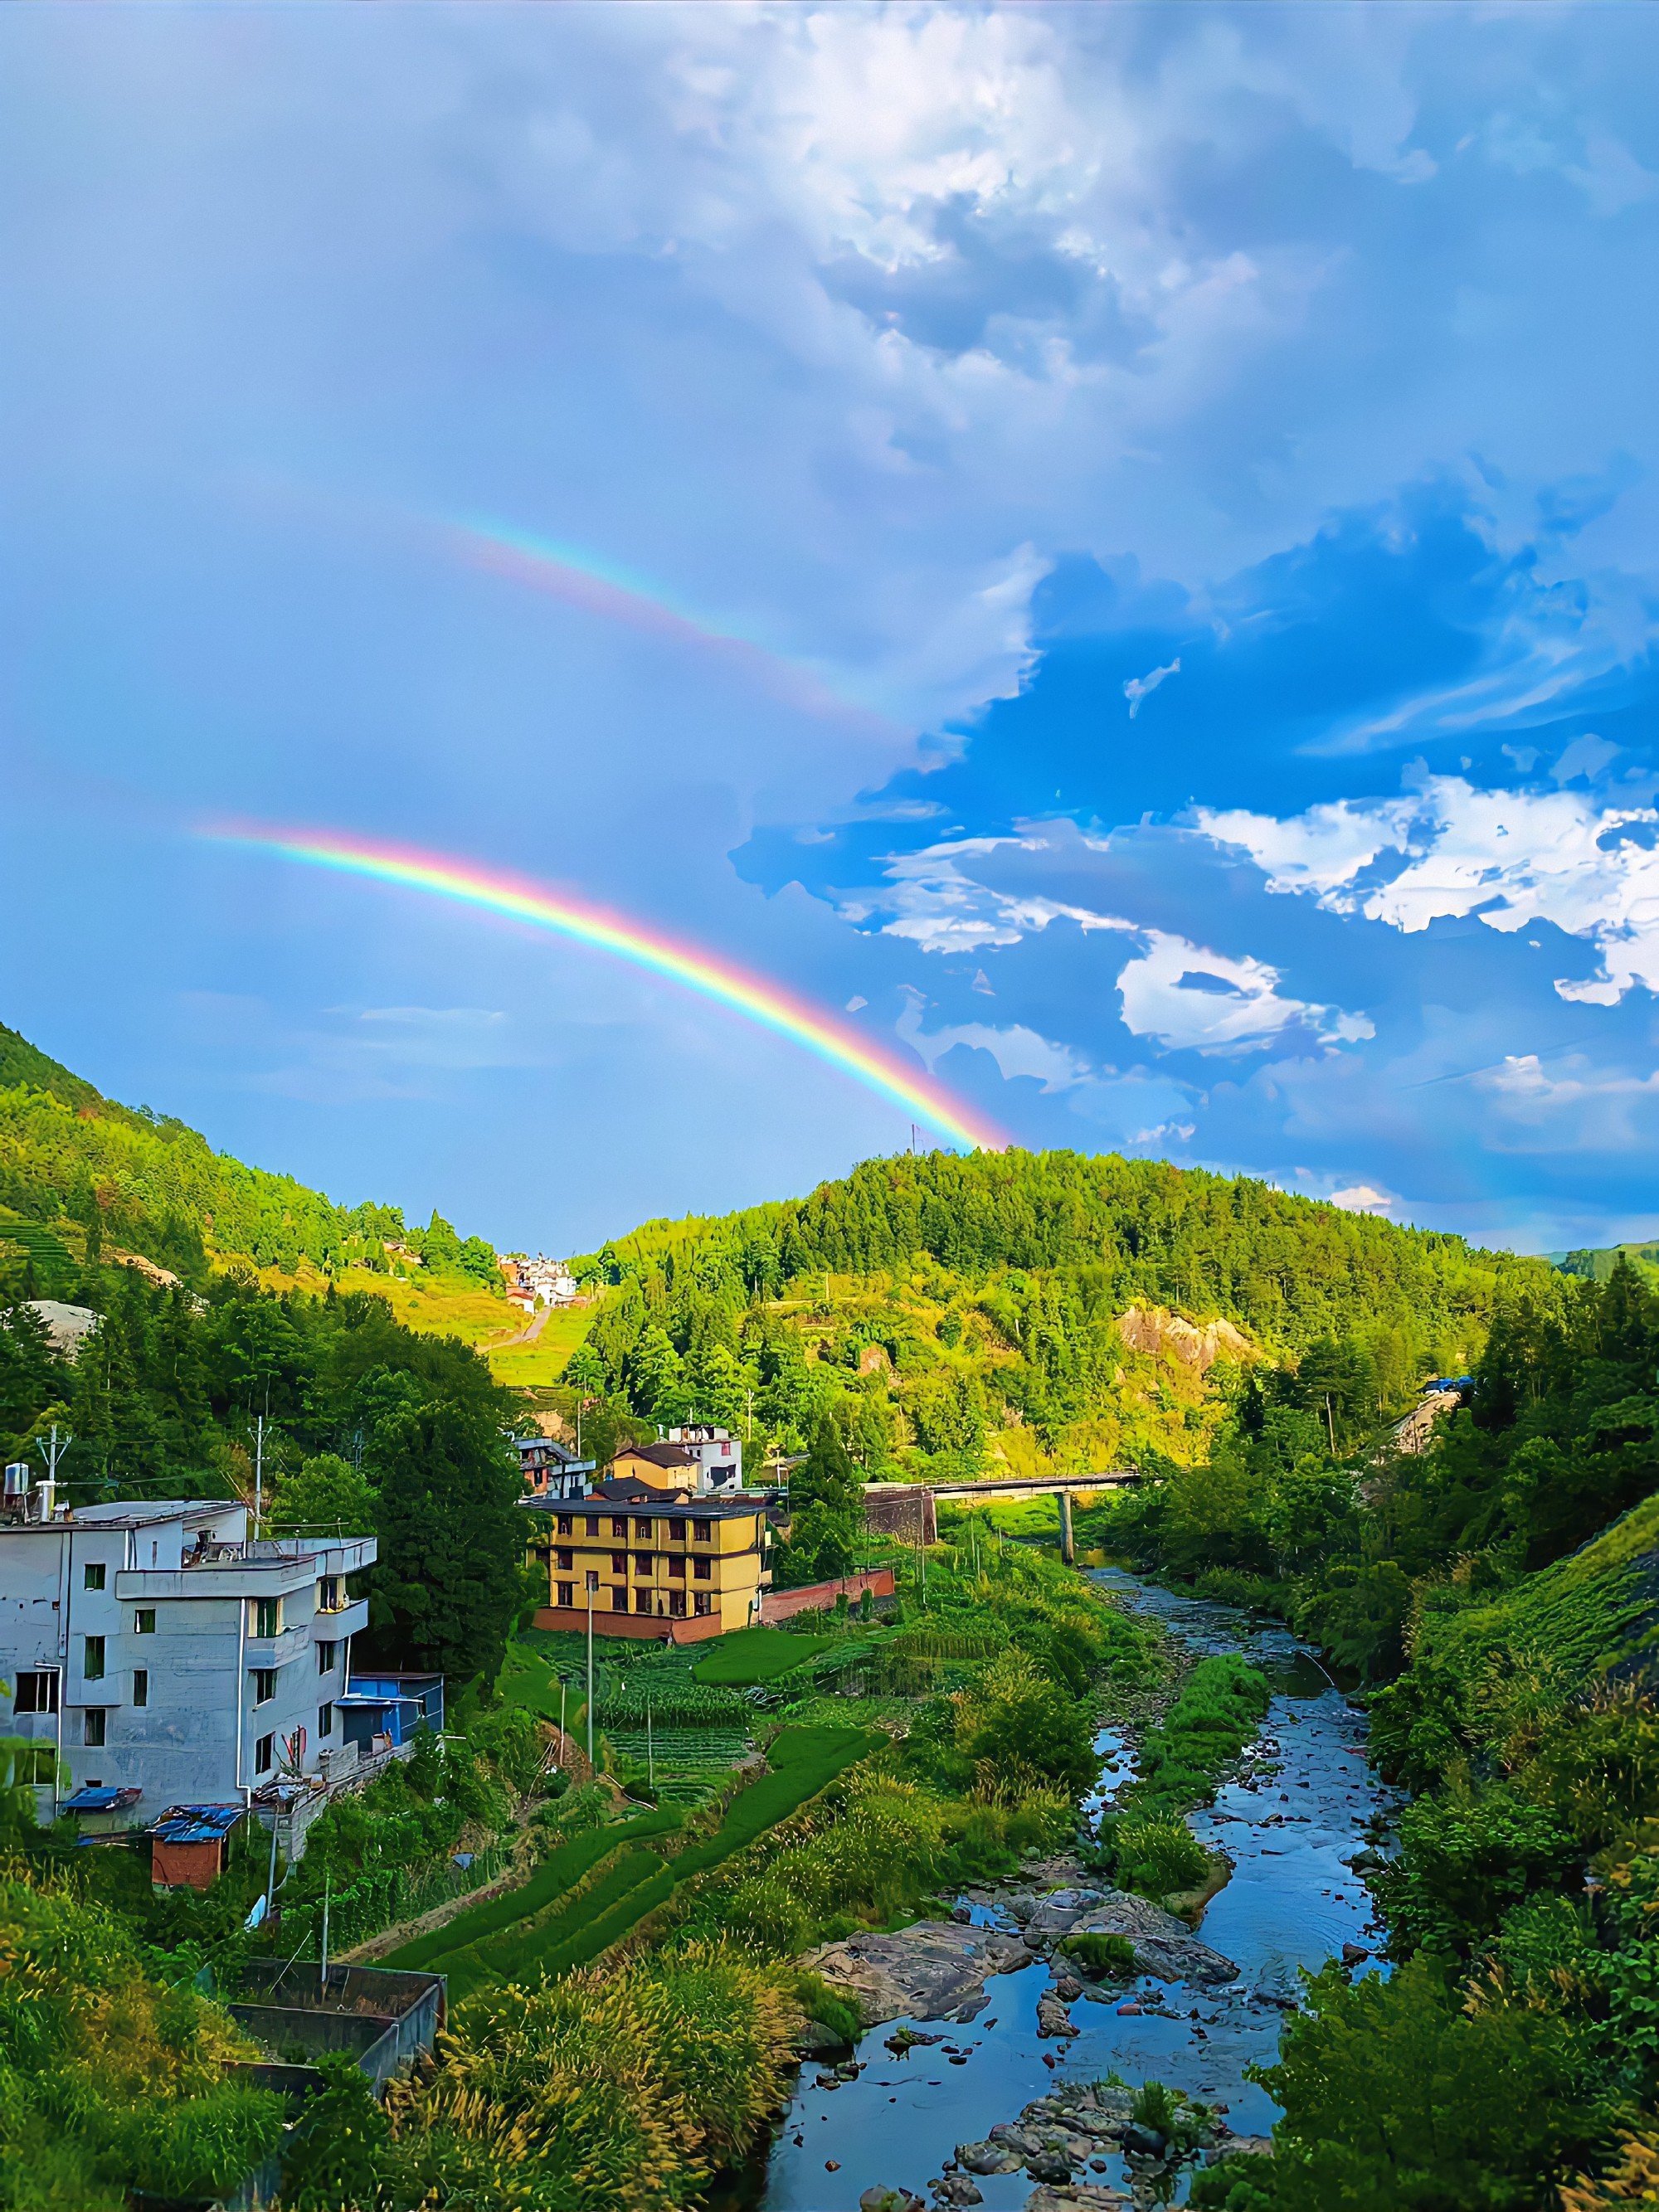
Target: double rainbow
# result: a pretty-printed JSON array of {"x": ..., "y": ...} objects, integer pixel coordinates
[{"x": 493, "y": 892}]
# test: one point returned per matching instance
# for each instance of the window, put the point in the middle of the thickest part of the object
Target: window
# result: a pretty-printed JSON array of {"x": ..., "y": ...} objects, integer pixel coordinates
[
  {"x": 642, "y": 1601},
  {"x": 328, "y": 1594},
  {"x": 642, "y": 1564},
  {"x": 676, "y": 1567},
  {"x": 94, "y": 1575},
  {"x": 592, "y": 1579},
  {"x": 567, "y": 1524},
  {"x": 567, "y": 1594},
  {"x": 143, "y": 1620},
  {"x": 676, "y": 1605},
  {"x": 326, "y": 1655},
  {"x": 267, "y": 1616},
  {"x": 591, "y": 1527},
  {"x": 36, "y": 1693},
  {"x": 702, "y": 1569},
  {"x": 264, "y": 1684},
  {"x": 703, "y": 1531},
  {"x": 567, "y": 1560},
  {"x": 677, "y": 1532},
  {"x": 264, "y": 1754},
  {"x": 325, "y": 1720},
  {"x": 91, "y": 1728},
  {"x": 91, "y": 1659},
  {"x": 702, "y": 1602},
  {"x": 619, "y": 1600},
  {"x": 619, "y": 1563},
  {"x": 619, "y": 1527},
  {"x": 642, "y": 1529}
]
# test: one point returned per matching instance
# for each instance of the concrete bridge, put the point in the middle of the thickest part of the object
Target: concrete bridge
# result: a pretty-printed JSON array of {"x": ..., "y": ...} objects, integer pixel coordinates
[{"x": 907, "y": 1508}]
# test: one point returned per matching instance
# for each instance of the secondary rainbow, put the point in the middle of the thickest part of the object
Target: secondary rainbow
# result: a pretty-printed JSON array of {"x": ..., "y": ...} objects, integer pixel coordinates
[{"x": 518, "y": 899}]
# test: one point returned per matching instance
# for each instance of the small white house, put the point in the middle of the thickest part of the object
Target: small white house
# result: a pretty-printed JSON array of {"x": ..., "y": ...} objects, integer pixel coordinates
[{"x": 717, "y": 1453}]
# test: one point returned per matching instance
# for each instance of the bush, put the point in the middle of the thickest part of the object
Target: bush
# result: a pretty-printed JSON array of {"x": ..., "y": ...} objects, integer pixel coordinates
[
  {"x": 1464, "y": 1858},
  {"x": 1106, "y": 1958},
  {"x": 1157, "y": 1858}
]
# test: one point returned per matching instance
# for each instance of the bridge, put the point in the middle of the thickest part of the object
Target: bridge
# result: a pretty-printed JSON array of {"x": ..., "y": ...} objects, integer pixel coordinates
[{"x": 907, "y": 1509}]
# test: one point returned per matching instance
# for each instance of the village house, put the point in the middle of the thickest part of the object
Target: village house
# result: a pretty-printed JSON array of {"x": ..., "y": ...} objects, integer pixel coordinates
[
  {"x": 649, "y": 1561},
  {"x": 161, "y": 1656}
]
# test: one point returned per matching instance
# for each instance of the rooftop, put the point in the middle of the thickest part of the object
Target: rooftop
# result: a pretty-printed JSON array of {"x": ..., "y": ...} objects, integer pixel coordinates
[
  {"x": 653, "y": 1503},
  {"x": 659, "y": 1454}
]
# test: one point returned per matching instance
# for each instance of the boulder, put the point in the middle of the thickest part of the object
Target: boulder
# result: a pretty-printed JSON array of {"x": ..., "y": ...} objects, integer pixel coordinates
[
  {"x": 882, "y": 2199},
  {"x": 935, "y": 1970},
  {"x": 1164, "y": 1946},
  {"x": 1077, "y": 2196},
  {"x": 1052, "y": 2017},
  {"x": 988, "y": 2158},
  {"x": 814, "y": 2041}
]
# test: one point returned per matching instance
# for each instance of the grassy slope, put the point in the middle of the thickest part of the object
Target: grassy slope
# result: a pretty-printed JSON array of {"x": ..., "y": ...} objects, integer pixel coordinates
[
  {"x": 578, "y": 1904},
  {"x": 757, "y": 1654},
  {"x": 1593, "y": 1614}
]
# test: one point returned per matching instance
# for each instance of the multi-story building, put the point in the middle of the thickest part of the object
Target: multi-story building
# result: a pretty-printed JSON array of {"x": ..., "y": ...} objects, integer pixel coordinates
[
  {"x": 717, "y": 1453},
  {"x": 159, "y": 1648},
  {"x": 552, "y": 1469},
  {"x": 654, "y": 1563}
]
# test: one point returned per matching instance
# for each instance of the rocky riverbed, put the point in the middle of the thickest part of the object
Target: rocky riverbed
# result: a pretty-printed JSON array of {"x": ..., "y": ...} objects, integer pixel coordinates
[{"x": 981, "y": 2024}]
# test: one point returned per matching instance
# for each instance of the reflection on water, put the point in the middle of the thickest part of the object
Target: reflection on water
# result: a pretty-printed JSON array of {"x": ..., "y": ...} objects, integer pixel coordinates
[{"x": 1288, "y": 1825}]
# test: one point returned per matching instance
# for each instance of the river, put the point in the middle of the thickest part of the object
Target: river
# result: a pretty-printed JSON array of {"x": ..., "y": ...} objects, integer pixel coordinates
[{"x": 1309, "y": 1803}]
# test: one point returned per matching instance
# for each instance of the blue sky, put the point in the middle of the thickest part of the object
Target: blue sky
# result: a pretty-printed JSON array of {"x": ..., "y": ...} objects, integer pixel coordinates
[{"x": 1188, "y": 474}]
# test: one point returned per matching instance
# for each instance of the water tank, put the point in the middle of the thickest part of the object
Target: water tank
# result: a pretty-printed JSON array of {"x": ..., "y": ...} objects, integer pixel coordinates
[{"x": 16, "y": 1481}]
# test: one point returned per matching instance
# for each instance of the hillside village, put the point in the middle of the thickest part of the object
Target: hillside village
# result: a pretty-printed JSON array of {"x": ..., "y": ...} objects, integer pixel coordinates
[{"x": 812, "y": 1650}]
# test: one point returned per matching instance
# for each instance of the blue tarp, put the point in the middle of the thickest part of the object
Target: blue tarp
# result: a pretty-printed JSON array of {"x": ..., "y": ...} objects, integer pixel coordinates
[
  {"x": 196, "y": 1824},
  {"x": 101, "y": 1798}
]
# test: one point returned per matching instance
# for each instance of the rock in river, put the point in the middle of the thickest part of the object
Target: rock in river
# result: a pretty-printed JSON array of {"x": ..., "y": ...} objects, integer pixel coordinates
[
  {"x": 1164, "y": 1946},
  {"x": 936, "y": 1970}
]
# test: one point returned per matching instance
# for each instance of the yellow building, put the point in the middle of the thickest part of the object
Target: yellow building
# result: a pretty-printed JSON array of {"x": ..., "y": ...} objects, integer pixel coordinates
[
  {"x": 664, "y": 1467},
  {"x": 653, "y": 1563}
]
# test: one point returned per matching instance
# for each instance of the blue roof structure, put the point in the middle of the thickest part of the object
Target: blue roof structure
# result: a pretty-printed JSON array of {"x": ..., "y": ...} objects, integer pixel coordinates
[
  {"x": 196, "y": 1824},
  {"x": 101, "y": 1797}
]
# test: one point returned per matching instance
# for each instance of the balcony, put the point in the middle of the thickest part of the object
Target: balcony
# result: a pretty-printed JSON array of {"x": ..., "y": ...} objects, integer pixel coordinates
[
  {"x": 277, "y": 1650},
  {"x": 347, "y": 1619},
  {"x": 268, "y": 1566}
]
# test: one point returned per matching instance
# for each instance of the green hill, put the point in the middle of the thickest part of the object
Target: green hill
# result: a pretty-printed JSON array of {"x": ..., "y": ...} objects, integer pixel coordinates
[
  {"x": 1596, "y": 1264},
  {"x": 83, "y": 1178},
  {"x": 1015, "y": 1311}
]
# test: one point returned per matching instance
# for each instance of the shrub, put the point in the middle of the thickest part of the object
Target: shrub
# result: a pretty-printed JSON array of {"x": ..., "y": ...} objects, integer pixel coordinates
[
  {"x": 1158, "y": 1857},
  {"x": 1466, "y": 1857},
  {"x": 1108, "y": 1958}
]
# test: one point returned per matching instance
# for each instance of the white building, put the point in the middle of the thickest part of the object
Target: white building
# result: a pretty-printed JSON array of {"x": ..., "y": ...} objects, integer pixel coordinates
[
  {"x": 158, "y": 1647},
  {"x": 717, "y": 1453}
]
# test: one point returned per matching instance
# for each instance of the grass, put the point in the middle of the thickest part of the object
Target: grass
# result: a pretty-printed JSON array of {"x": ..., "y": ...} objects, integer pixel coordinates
[
  {"x": 757, "y": 1654},
  {"x": 553, "y": 1926},
  {"x": 557, "y": 1875}
]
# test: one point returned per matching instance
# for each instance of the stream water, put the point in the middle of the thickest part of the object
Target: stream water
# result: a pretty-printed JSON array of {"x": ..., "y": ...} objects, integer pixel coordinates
[{"x": 1307, "y": 1804}]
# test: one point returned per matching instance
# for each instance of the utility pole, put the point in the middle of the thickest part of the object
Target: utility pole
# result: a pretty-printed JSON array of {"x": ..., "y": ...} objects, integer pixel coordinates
[
  {"x": 564, "y": 1684},
  {"x": 258, "y": 1473},
  {"x": 590, "y": 1667},
  {"x": 650, "y": 1755},
  {"x": 322, "y": 1978},
  {"x": 1329, "y": 1424},
  {"x": 51, "y": 1451}
]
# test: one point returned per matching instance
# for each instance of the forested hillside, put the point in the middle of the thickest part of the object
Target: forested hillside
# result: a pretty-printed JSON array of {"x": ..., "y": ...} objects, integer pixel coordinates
[
  {"x": 81, "y": 1175},
  {"x": 958, "y": 1312}
]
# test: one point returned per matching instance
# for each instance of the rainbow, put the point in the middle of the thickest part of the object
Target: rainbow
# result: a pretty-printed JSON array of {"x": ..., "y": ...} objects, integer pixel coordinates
[
  {"x": 583, "y": 580},
  {"x": 493, "y": 892}
]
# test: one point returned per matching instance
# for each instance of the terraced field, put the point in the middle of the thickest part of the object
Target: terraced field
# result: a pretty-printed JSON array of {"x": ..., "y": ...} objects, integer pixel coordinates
[{"x": 597, "y": 1888}]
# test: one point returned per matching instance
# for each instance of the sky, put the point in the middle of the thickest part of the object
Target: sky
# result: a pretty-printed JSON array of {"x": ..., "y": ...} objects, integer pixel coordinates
[{"x": 1110, "y": 551}]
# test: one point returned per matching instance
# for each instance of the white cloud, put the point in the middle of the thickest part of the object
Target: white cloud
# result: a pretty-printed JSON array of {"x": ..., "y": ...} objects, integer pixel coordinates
[
  {"x": 1016, "y": 1050},
  {"x": 1188, "y": 998},
  {"x": 1512, "y": 857},
  {"x": 1351, "y": 1197},
  {"x": 937, "y": 905},
  {"x": 1139, "y": 687}
]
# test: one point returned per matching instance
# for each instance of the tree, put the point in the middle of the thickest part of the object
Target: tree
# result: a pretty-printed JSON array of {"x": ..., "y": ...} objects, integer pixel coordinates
[
  {"x": 1400, "y": 2096},
  {"x": 324, "y": 1491},
  {"x": 826, "y": 1512},
  {"x": 451, "y": 1539},
  {"x": 1015, "y": 1728}
]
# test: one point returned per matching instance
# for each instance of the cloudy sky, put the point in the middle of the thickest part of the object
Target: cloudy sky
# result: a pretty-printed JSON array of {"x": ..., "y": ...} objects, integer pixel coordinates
[{"x": 1115, "y": 548}]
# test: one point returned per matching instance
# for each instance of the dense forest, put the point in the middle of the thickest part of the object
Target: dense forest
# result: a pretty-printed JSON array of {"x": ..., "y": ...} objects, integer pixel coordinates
[
  {"x": 951, "y": 1312},
  {"x": 1495, "y": 1591},
  {"x": 80, "y": 1175}
]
